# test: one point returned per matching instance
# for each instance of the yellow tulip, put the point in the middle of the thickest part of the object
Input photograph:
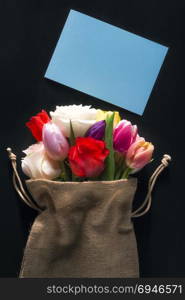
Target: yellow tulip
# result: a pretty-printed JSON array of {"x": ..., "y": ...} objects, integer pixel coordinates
[{"x": 102, "y": 114}]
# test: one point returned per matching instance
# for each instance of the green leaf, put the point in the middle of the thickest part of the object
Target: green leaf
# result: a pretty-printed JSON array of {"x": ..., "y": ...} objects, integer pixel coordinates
[
  {"x": 72, "y": 136},
  {"x": 109, "y": 171}
]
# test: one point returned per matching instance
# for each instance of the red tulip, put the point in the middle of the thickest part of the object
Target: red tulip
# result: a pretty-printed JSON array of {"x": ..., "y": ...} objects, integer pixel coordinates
[
  {"x": 86, "y": 157},
  {"x": 36, "y": 124}
]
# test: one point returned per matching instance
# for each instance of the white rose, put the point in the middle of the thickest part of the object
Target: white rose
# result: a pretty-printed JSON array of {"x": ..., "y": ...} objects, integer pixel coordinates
[
  {"x": 37, "y": 165},
  {"x": 82, "y": 118}
]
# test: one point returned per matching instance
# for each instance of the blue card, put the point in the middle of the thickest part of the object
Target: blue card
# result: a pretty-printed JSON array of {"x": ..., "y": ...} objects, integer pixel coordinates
[{"x": 106, "y": 62}]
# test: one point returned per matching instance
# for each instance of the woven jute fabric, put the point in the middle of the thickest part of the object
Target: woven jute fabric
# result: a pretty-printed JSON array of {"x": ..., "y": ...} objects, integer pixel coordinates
[{"x": 84, "y": 230}]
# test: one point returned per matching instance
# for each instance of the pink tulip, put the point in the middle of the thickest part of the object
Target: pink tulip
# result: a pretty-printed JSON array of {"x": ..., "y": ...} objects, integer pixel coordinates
[
  {"x": 139, "y": 154},
  {"x": 124, "y": 136},
  {"x": 55, "y": 143}
]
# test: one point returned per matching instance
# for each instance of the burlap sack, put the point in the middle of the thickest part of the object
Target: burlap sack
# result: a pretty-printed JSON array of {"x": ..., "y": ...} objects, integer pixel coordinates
[{"x": 84, "y": 230}]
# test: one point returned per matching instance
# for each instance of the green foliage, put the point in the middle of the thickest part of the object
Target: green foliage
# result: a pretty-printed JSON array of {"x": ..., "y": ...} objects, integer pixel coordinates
[{"x": 109, "y": 171}]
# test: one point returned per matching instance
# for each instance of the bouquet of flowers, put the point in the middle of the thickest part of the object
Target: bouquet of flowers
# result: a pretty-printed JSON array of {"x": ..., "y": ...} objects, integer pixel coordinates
[
  {"x": 79, "y": 143},
  {"x": 79, "y": 181}
]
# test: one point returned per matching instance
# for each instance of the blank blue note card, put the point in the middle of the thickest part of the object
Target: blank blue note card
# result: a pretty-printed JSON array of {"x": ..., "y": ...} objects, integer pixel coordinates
[{"x": 106, "y": 62}]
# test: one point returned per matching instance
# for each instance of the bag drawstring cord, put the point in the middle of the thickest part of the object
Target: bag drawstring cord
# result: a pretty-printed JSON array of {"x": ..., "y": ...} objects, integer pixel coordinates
[
  {"x": 18, "y": 184},
  {"x": 148, "y": 200},
  {"x": 137, "y": 213}
]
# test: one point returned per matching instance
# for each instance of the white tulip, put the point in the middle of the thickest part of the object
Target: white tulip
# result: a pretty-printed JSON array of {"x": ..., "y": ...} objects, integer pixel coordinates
[
  {"x": 82, "y": 118},
  {"x": 37, "y": 165}
]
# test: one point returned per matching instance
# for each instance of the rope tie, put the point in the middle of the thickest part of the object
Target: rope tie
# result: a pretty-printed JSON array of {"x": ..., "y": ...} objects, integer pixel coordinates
[
  {"x": 17, "y": 182},
  {"x": 137, "y": 213},
  {"x": 148, "y": 200}
]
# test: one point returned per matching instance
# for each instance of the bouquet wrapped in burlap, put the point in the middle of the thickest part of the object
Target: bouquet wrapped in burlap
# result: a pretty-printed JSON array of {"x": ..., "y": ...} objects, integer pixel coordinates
[{"x": 83, "y": 193}]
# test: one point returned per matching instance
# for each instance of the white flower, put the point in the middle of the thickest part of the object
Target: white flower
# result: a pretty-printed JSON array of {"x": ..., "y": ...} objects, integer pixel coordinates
[
  {"x": 82, "y": 118},
  {"x": 37, "y": 165}
]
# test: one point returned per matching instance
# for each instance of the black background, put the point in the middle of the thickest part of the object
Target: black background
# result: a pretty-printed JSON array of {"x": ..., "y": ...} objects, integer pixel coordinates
[{"x": 29, "y": 32}]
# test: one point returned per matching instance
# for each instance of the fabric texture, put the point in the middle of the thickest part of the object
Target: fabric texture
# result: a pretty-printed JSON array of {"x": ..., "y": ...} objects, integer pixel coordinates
[{"x": 84, "y": 230}]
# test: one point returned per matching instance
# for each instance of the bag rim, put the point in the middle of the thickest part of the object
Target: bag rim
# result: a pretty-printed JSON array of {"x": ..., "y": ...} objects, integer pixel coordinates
[{"x": 134, "y": 179}]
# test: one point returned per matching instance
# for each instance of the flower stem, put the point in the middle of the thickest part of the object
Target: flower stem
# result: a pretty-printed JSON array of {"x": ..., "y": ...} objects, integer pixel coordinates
[
  {"x": 65, "y": 171},
  {"x": 126, "y": 173},
  {"x": 109, "y": 162},
  {"x": 118, "y": 173}
]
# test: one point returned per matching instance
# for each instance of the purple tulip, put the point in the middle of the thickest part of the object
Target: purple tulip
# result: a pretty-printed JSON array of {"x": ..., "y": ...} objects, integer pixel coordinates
[
  {"x": 55, "y": 143},
  {"x": 97, "y": 130},
  {"x": 124, "y": 136}
]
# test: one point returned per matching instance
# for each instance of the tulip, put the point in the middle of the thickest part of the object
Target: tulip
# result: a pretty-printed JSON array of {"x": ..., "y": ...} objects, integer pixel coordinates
[
  {"x": 124, "y": 136},
  {"x": 36, "y": 124},
  {"x": 86, "y": 157},
  {"x": 102, "y": 115},
  {"x": 97, "y": 131},
  {"x": 55, "y": 143},
  {"x": 139, "y": 154},
  {"x": 37, "y": 165}
]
